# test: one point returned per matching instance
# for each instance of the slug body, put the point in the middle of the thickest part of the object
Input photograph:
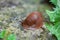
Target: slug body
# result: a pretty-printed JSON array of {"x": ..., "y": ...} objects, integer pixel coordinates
[{"x": 33, "y": 20}]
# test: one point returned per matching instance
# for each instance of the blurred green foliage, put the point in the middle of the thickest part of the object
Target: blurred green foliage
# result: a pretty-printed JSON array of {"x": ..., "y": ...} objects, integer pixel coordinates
[
  {"x": 54, "y": 18},
  {"x": 9, "y": 37},
  {"x": 54, "y": 2},
  {"x": 2, "y": 34}
]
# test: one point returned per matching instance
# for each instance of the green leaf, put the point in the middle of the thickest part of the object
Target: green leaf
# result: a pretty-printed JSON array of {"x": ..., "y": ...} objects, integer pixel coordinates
[
  {"x": 2, "y": 33},
  {"x": 11, "y": 37},
  {"x": 54, "y": 29},
  {"x": 50, "y": 27},
  {"x": 54, "y": 2},
  {"x": 55, "y": 18},
  {"x": 51, "y": 15},
  {"x": 57, "y": 27}
]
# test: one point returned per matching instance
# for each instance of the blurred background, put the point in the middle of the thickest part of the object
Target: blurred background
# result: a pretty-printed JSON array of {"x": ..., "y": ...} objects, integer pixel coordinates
[{"x": 14, "y": 11}]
